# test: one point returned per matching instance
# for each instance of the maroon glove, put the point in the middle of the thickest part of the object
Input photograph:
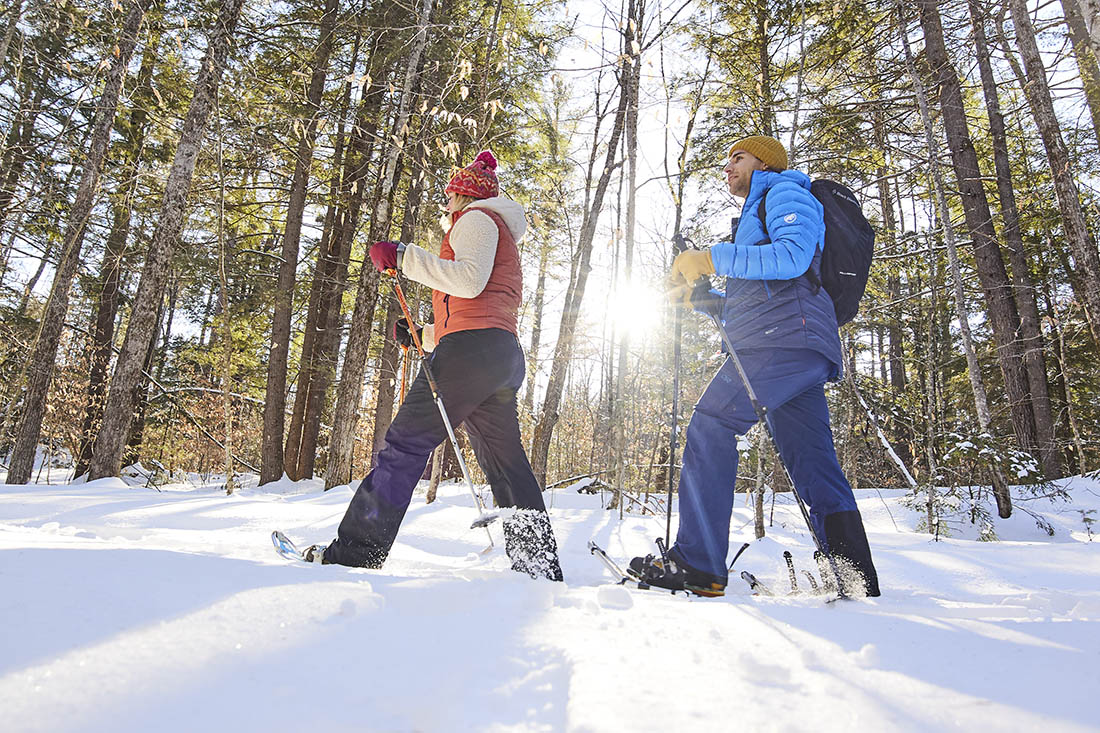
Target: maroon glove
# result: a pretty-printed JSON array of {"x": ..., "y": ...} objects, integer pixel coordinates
[
  {"x": 384, "y": 255},
  {"x": 401, "y": 333}
]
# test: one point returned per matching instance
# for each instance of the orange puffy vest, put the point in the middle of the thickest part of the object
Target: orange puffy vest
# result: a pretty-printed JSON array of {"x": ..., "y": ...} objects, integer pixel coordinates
[{"x": 497, "y": 306}]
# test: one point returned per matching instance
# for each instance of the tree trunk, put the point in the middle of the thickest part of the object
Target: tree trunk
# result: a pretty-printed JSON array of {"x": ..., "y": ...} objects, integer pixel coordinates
[
  {"x": 1086, "y": 60},
  {"x": 40, "y": 370},
  {"x": 109, "y": 443},
  {"x": 1064, "y": 378},
  {"x": 1003, "y": 316},
  {"x": 16, "y": 11},
  {"x": 103, "y": 329},
  {"x": 102, "y": 339},
  {"x": 536, "y": 331},
  {"x": 321, "y": 344},
  {"x": 767, "y": 115},
  {"x": 548, "y": 417},
  {"x": 350, "y": 391},
  {"x": 140, "y": 397},
  {"x": 894, "y": 337},
  {"x": 1037, "y": 91},
  {"x": 387, "y": 369},
  {"x": 323, "y": 273},
  {"x": 271, "y": 466},
  {"x": 1090, "y": 14},
  {"x": 437, "y": 472},
  {"x": 962, "y": 312},
  {"x": 635, "y": 11},
  {"x": 487, "y": 110},
  {"x": 17, "y": 146},
  {"x": 1031, "y": 337}
]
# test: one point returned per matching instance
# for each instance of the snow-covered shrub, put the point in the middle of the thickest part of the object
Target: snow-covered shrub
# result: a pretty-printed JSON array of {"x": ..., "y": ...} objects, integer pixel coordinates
[
  {"x": 961, "y": 492},
  {"x": 978, "y": 456}
]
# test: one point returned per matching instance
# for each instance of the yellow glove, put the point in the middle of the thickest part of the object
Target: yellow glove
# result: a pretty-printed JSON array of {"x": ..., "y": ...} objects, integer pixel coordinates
[{"x": 691, "y": 265}]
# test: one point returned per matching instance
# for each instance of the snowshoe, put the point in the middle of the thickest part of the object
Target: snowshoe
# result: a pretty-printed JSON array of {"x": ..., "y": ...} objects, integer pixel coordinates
[
  {"x": 285, "y": 547},
  {"x": 530, "y": 545},
  {"x": 672, "y": 573}
]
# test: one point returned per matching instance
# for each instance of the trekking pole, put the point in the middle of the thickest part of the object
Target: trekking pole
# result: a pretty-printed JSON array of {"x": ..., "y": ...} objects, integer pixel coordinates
[
  {"x": 762, "y": 415},
  {"x": 484, "y": 519},
  {"x": 677, "y": 328}
]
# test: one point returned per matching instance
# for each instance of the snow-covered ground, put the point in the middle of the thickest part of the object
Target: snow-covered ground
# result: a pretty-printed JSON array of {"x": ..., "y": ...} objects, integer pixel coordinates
[{"x": 132, "y": 609}]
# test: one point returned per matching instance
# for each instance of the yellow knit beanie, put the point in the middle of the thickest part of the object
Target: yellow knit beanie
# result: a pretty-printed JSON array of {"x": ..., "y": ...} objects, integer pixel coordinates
[{"x": 769, "y": 150}]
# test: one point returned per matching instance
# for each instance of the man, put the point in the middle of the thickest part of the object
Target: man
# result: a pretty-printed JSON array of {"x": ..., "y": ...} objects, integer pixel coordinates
[{"x": 782, "y": 324}]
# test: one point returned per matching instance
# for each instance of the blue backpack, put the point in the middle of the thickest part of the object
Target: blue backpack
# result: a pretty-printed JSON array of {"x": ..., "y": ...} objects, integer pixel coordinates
[{"x": 849, "y": 247}]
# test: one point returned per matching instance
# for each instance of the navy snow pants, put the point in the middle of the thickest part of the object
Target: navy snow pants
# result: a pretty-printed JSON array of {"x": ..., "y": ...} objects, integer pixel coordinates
[
  {"x": 790, "y": 383},
  {"x": 478, "y": 374}
]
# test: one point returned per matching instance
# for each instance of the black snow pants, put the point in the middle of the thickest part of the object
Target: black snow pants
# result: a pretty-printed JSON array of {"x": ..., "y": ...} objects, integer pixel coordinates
[{"x": 478, "y": 374}]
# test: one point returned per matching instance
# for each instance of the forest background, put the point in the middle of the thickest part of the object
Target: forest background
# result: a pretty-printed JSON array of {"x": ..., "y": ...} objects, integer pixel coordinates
[{"x": 187, "y": 192}]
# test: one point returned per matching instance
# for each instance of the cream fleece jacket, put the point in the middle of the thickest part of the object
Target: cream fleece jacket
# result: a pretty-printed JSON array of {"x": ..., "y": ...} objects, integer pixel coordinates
[{"x": 474, "y": 241}]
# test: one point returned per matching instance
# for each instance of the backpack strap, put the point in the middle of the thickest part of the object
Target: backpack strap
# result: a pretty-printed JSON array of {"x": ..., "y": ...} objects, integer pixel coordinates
[{"x": 762, "y": 214}]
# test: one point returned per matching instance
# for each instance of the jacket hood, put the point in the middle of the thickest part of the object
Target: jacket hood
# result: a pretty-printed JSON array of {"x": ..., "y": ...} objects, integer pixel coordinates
[
  {"x": 510, "y": 211},
  {"x": 763, "y": 180}
]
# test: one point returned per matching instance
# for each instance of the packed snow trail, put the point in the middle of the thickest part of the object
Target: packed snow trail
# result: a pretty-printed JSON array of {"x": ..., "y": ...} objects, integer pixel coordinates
[{"x": 129, "y": 609}]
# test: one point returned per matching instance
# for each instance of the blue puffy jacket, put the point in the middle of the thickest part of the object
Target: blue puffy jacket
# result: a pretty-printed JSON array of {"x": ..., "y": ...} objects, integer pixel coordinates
[{"x": 769, "y": 304}]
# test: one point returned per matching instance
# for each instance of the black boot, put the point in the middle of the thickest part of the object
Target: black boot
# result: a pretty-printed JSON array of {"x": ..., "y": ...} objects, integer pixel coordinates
[
  {"x": 676, "y": 575},
  {"x": 847, "y": 543},
  {"x": 530, "y": 545}
]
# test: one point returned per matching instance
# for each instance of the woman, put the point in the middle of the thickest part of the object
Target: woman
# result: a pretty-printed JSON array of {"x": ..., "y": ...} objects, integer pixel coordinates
[{"x": 477, "y": 287}]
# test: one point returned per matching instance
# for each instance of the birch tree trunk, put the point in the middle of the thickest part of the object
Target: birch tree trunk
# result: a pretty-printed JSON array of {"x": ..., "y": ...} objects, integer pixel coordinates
[
  {"x": 350, "y": 391},
  {"x": 109, "y": 443},
  {"x": 632, "y": 50},
  {"x": 271, "y": 465},
  {"x": 1037, "y": 91},
  {"x": 40, "y": 369}
]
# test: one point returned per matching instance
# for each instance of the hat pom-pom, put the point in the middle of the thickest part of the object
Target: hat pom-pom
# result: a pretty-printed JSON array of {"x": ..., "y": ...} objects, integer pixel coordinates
[{"x": 487, "y": 160}]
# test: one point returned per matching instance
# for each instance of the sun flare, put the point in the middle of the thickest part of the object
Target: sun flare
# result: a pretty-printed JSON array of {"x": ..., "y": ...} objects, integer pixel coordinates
[{"x": 636, "y": 308}]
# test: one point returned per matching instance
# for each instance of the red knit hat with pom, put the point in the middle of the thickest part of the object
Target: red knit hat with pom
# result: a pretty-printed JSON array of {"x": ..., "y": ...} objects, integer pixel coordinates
[{"x": 478, "y": 180}]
